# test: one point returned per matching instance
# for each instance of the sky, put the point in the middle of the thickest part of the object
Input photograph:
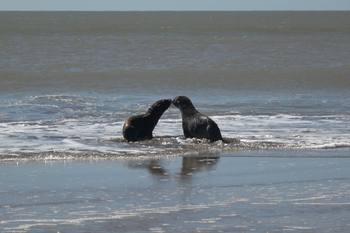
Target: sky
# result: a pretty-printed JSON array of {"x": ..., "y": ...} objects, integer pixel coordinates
[{"x": 171, "y": 5}]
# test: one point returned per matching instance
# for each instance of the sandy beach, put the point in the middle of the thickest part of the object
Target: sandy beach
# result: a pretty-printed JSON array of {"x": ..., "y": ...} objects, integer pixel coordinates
[{"x": 261, "y": 191}]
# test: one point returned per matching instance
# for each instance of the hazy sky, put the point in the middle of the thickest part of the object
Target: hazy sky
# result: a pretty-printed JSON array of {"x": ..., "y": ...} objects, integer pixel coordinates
[{"x": 149, "y": 5}]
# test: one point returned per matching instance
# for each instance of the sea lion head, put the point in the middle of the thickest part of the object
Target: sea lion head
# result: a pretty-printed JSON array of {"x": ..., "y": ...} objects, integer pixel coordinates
[
  {"x": 183, "y": 103},
  {"x": 159, "y": 107}
]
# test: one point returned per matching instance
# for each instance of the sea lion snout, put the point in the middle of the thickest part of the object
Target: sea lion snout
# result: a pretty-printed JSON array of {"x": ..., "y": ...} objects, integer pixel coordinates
[
  {"x": 169, "y": 101},
  {"x": 174, "y": 102},
  {"x": 164, "y": 104}
]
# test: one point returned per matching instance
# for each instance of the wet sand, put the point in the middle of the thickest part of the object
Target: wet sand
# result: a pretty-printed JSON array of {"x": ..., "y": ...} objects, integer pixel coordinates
[{"x": 268, "y": 191}]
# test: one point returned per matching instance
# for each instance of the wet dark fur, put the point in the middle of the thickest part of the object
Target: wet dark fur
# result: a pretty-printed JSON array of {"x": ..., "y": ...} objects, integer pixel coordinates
[
  {"x": 140, "y": 127},
  {"x": 194, "y": 123}
]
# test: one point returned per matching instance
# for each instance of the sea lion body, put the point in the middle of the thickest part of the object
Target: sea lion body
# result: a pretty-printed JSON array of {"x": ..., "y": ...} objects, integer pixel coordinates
[
  {"x": 194, "y": 123},
  {"x": 140, "y": 127}
]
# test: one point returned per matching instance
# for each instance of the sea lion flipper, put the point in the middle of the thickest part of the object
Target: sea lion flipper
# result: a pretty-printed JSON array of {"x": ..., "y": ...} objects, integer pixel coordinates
[
  {"x": 130, "y": 133},
  {"x": 214, "y": 132}
]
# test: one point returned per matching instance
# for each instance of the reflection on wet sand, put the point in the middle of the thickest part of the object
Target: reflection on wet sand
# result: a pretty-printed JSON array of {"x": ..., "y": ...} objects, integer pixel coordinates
[
  {"x": 254, "y": 193},
  {"x": 190, "y": 165}
]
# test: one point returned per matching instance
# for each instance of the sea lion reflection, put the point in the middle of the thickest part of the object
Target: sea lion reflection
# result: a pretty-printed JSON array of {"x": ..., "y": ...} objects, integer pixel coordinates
[
  {"x": 193, "y": 165},
  {"x": 189, "y": 166}
]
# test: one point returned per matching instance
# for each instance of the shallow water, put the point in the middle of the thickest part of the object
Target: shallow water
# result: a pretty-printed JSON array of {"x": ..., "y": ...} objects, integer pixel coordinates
[{"x": 254, "y": 191}]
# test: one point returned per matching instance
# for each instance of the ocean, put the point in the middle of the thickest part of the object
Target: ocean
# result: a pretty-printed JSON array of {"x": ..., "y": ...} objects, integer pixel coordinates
[
  {"x": 271, "y": 80},
  {"x": 276, "y": 83}
]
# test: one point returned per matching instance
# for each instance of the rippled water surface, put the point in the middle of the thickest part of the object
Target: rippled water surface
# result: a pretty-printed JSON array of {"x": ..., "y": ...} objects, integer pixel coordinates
[{"x": 250, "y": 192}]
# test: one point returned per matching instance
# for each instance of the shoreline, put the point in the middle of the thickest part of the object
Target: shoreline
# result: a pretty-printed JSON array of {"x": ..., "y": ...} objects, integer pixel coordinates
[{"x": 268, "y": 153}]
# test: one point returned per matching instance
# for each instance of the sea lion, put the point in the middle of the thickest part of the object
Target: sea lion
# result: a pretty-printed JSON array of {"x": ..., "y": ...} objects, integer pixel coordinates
[
  {"x": 194, "y": 123},
  {"x": 140, "y": 127}
]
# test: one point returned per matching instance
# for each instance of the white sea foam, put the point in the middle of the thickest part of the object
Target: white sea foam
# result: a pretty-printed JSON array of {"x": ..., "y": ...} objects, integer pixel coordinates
[{"x": 86, "y": 136}]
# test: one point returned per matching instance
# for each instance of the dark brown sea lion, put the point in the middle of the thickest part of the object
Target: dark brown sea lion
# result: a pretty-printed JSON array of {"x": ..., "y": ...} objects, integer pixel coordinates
[
  {"x": 140, "y": 127},
  {"x": 194, "y": 123}
]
